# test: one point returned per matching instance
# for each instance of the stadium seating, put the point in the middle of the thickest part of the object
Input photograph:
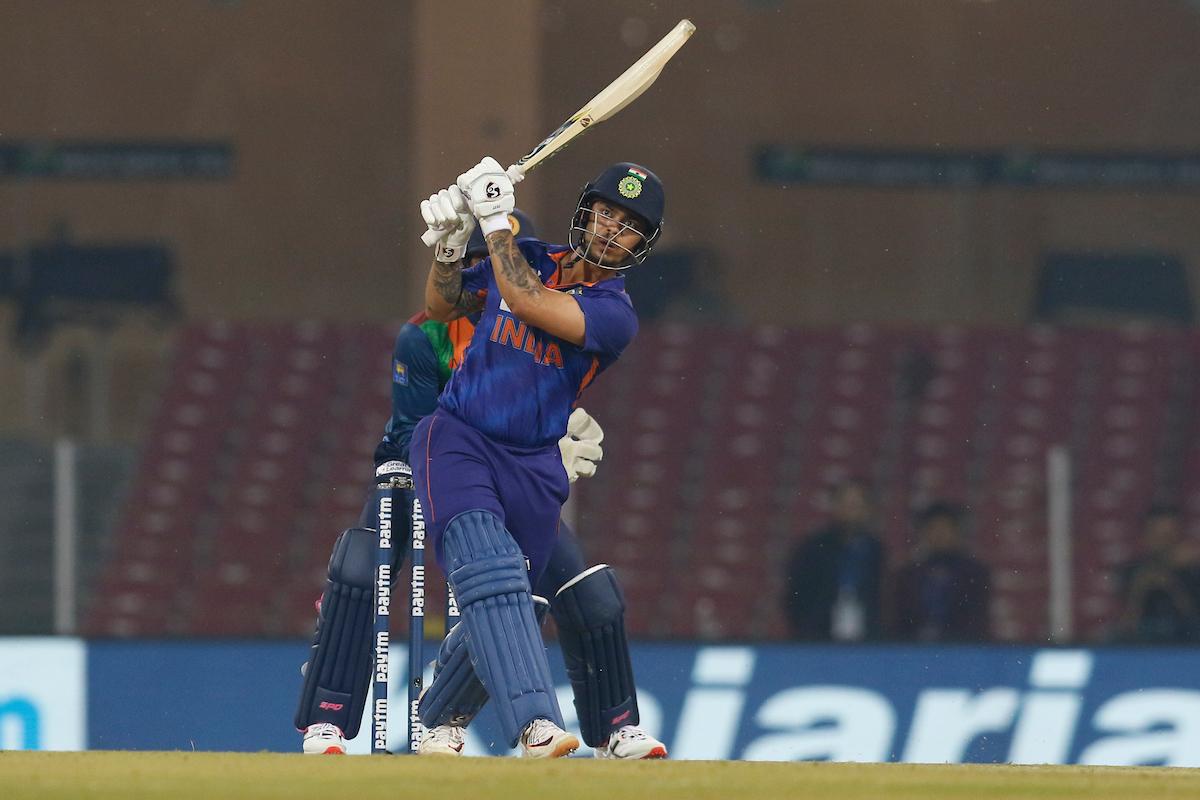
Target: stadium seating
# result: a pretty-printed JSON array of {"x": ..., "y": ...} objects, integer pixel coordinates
[{"x": 719, "y": 445}]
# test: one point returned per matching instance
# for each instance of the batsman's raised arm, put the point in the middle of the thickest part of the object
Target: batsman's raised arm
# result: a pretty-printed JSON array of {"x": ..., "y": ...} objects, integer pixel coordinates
[
  {"x": 444, "y": 297},
  {"x": 531, "y": 301},
  {"x": 448, "y": 217},
  {"x": 489, "y": 193}
]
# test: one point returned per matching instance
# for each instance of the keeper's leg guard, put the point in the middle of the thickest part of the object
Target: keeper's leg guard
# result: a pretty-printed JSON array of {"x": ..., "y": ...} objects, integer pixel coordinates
[
  {"x": 456, "y": 694},
  {"x": 491, "y": 581},
  {"x": 590, "y": 613},
  {"x": 337, "y": 675}
]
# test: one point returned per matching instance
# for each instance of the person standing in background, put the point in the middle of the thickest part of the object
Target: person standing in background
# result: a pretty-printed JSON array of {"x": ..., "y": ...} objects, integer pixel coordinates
[
  {"x": 943, "y": 593},
  {"x": 1160, "y": 588},
  {"x": 833, "y": 578}
]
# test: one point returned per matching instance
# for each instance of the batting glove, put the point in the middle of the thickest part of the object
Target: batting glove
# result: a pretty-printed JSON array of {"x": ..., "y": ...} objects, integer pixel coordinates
[
  {"x": 489, "y": 193},
  {"x": 580, "y": 448},
  {"x": 450, "y": 221}
]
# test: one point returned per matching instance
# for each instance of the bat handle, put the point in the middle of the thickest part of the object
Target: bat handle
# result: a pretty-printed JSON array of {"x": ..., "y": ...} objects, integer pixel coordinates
[{"x": 430, "y": 238}]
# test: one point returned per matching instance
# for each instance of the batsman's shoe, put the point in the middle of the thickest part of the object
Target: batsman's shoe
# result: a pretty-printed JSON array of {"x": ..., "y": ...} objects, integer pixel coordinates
[
  {"x": 632, "y": 743},
  {"x": 324, "y": 739},
  {"x": 543, "y": 739},
  {"x": 443, "y": 740}
]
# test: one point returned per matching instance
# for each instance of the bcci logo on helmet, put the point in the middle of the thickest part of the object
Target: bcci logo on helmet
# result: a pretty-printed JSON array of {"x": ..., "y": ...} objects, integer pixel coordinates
[{"x": 629, "y": 186}]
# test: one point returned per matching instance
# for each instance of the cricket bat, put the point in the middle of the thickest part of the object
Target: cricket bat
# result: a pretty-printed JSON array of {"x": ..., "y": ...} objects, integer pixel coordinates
[{"x": 612, "y": 98}]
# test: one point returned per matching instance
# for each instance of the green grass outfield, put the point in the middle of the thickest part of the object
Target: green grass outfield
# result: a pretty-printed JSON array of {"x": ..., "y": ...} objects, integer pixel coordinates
[{"x": 216, "y": 776}]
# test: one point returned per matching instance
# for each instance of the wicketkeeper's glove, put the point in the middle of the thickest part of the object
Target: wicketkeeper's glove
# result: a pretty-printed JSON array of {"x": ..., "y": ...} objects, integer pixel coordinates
[{"x": 580, "y": 448}]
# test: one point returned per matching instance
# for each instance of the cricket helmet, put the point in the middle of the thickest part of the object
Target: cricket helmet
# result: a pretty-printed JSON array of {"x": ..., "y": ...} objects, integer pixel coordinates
[
  {"x": 518, "y": 220},
  {"x": 633, "y": 188}
]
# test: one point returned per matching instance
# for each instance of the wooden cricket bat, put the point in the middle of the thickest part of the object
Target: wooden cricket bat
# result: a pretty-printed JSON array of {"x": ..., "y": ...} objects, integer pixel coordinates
[{"x": 612, "y": 98}]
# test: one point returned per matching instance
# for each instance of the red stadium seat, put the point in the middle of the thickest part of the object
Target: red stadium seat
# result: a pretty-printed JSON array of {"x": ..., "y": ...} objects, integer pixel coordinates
[{"x": 720, "y": 442}]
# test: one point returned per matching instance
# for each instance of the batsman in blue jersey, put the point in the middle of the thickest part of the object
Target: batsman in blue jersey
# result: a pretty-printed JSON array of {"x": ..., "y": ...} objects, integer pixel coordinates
[
  {"x": 587, "y": 603},
  {"x": 486, "y": 463}
]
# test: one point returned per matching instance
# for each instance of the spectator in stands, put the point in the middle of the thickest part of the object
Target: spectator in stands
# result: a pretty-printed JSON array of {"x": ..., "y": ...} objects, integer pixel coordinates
[
  {"x": 942, "y": 594},
  {"x": 1161, "y": 587},
  {"x": 832, "y": 583}
]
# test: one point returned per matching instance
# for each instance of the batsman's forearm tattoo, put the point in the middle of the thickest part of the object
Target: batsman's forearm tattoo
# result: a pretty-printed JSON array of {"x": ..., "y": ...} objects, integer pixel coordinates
[
  {"x": 508, "y": 259},
  {"x": 469, "y": 304},
  {"x": 447, "y": 281},
  {"x": 447, "y": 284}
]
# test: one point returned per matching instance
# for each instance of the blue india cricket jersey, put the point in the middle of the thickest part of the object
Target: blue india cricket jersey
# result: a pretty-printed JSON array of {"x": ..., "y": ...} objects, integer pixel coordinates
[{"x": 517, "y": 384}]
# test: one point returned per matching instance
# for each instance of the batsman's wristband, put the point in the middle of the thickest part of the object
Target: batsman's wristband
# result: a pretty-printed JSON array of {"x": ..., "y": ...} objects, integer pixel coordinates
[
  {"x": 495, "y": 222},
  {"x": 450, "y": 255}
]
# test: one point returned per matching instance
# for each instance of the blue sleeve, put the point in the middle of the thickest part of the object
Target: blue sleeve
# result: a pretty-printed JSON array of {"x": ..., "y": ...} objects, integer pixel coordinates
[
  {"x": 610, "y": 322},
  {"x": 475, "y": 279}
]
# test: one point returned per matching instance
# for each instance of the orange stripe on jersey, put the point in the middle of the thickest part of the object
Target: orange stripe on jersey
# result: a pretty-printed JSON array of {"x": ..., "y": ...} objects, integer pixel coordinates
[
  {"x": 460, "y": 331},
  {"x": 553, "y": 283},
  {"x": 589, "y": 377}
]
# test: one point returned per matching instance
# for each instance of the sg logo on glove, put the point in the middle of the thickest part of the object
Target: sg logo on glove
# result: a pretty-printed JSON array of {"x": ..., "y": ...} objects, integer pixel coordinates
[{"x": 492, "y": 191}]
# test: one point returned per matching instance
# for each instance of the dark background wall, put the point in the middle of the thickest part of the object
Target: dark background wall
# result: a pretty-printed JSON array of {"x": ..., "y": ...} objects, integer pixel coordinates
[
  {"x": 312, "y": 95},
  {"x": 1093, "y": 75},
  {"x": 344, "y": 115}
]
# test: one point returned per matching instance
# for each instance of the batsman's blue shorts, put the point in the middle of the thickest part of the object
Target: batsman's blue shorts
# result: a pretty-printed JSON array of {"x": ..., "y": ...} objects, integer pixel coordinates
[{"x": 456, "y": 468}]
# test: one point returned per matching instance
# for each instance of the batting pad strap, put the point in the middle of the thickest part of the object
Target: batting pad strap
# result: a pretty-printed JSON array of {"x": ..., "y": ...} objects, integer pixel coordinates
[
  {"x": 590, "y": 613},
  {"x": 497, "y": 613}
]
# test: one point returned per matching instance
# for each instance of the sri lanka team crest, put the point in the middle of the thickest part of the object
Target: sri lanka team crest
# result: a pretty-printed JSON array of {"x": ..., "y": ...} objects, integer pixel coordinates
[{"x": 400, "y": 372}]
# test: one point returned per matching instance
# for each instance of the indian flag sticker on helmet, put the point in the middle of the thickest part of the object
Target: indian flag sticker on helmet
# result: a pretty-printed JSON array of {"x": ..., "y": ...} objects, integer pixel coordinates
[
  {"x": 630, "y": 186},
  {"x": 637, "y": 173}
]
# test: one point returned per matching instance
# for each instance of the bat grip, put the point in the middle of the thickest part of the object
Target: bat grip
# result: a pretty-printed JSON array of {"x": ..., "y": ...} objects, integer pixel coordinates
[{"x": 515, "y": 173}]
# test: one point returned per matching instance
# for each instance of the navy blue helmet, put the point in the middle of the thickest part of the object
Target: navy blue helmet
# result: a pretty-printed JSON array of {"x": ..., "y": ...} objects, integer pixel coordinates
[{"x": 633, "y": 188}]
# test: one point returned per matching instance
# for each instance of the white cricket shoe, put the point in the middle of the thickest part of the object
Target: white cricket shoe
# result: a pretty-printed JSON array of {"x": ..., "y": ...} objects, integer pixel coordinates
[
  {"x": 543, "y": 739},
  {"x": 631, "y": 742},
  {"x": 324, "y": 739},
  {"x": 443, "y": 740}
]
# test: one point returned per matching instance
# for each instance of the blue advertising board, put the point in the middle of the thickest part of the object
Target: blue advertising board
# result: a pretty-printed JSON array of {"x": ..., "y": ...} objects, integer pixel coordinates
[
  {"x": 770, "y": 702},
  {"x": 42, "y": 694}
]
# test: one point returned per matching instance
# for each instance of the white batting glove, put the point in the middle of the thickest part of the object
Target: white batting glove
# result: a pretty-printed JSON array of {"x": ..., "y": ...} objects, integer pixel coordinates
[
  {"x": 580, "y": 448},
  {"x": 581, "y": 425},
  {"x": 489, "y": 193},
  {"x": 450, "y": 221}
]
